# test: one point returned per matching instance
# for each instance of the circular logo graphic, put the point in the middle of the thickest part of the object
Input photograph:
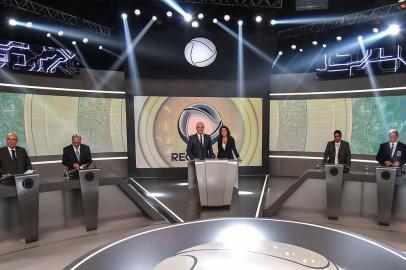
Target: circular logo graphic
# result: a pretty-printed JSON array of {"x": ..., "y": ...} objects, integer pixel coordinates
[
  {"x": 200, "y": 52},
  {"x": 263, "y": 255},
  {"x": 385, "y": 175},
  {"x": 27, "y": 183},
  {"x": 89, "y": 176},
  {"x": 333, "y": 171},
  {"x": 199, "y": 112}
]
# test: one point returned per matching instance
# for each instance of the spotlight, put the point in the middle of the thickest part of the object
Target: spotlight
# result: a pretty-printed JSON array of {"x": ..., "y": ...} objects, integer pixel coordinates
[
  {"x": 124, "y": 16},
  {"x": 48, "y": 34},
  {"x": 137, "y": 12},
  {"x": 12, "y": 22},
  {"x": 226, "y": 18},
  {"x": 258, "y": 19},
  {"x": 60, "y": 33},
  {"x": 195, "y": 24},
  {"x": 188, "y": 17},
  {"x": 339, "y": 38},
  {"x": 394, "y": 29},
  {"x": 169, "y": 14},
  {"x": 273, "y": 22},
  {"x": 300, "y": 50},
  {"x": 240, "y": 22},
  {"x": 154, "y": 18},
  {"x": 324, "y": 45},
  {"x": 360, "y": 38},
  {"x": 200, "y": 16},
  {"x": 214, "y": 20},
  {"x": 28, "y": 24},
  {"x": 85, "y": 40},
  {"x": 280, "y": 53},
  {"x": 100, "y": 47},
  {"x": 375, "y": 30},
  {"x": 293, "y": 47},
  {"x": 314, "y": 42},
  {"x": 73, "y": 42}
]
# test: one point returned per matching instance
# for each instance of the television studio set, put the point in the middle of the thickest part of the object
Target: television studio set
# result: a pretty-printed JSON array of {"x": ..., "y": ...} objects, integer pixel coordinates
[{"x": 203, "y": 134}]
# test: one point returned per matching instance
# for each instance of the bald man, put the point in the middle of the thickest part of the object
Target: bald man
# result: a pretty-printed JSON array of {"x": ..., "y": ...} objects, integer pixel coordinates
[
  {"x": 199, "y": 145},
  {"x": 13, "y": 159}
]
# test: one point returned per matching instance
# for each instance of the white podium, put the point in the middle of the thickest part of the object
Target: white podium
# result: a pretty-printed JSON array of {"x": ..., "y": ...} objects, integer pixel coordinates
[{"x": 215, "y": 179}]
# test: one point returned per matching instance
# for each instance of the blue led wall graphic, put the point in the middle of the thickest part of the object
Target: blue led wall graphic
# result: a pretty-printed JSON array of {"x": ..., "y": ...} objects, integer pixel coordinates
[
  {"x": 18, "y": 56},
  {"x": 380, "y": 60}
]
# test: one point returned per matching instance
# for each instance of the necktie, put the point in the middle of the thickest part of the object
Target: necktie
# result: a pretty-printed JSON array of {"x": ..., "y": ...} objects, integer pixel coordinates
[
  {"x": 201, "y": 140},
  {"x": 77, "y": 154},
  {"x": 14, "y": 158},
  {"x": 391, "y": 149}
]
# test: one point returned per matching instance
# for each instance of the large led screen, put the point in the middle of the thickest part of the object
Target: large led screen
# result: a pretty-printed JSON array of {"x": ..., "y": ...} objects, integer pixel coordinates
[
  {"x": 45, "y": 124},
  {"x": 163, "y": 124},
  {"x": 307, "y": 125}
]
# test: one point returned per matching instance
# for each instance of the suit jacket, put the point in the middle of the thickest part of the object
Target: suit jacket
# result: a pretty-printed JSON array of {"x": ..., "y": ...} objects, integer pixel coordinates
[
  {"x": 195, "y": 150},
  {"x": 384, "y": 154},
  {"x": 344, "y": 153},
  {"x": 6, "y": 162},
  {"x": 230, "y": 149},
  {"x": 69, "y": 157}
]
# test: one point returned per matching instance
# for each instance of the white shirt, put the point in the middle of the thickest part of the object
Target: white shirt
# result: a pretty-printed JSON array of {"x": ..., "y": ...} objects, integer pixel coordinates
[
  {"x": 202, "y": 138},
  {"x": 337, "y": 149},
  {"x": 224, "y": 145},
  {"x": 11, "y": 154},
  {"x": 395, "y": 144}
]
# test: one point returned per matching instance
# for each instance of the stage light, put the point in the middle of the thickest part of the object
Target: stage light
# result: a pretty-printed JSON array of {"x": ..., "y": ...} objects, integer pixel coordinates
[
  {"x": 226, "y": 18},
  {"x": 48, "y": 34},
  {"x": 73, "y": 42},
  {"x": 280, "y": 52},
  {"x": 214, "y": 20},
  {"x": 240, "y": 22},
  {"x": 300, "y": 50},
  {"x": 360, "y": 38},
  {"x": 394, "y": 29},
  {"x": 154, "y": 18},
  {"x": 258, "y": 19},
  {"x": 28, "y": 24},
  {"x": 339, "y": 38},
  {"x": 60, "y": 33},
  {"x": 12, "y": 22},
  {"x": 169, "y": 14},
  {"x": 137, "y": 12},
  {"x": 273, "y": 22},
  {"x": 314, "y": 42},
  {"x": 200, "y": 16},
  {"x": 85, "y": 40},
  {"x": 195, "y": 24},
  {"x": 324, "y": 45},
  {"x": 293, "y": 47},
  {"x": 187, "y": 17},
  {"x": 100, "y": 47},
  {"x": 124, "y": 16},
  {"x": 375, "y": 30}
]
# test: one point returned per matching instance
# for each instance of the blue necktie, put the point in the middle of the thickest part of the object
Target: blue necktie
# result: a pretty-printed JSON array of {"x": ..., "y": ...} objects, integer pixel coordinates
[
  {"x": 14, "y": 158},
  {"x": 77, "y": 154}
]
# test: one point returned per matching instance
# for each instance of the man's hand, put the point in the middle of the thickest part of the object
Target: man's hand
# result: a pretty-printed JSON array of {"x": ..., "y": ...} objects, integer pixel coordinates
[
  {"x": 396, "y": 164},
  {"x": 76, "y": 165},
  {"x": 387, "y": 163}
]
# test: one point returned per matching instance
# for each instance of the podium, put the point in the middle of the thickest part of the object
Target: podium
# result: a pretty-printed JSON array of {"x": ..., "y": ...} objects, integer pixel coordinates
[
  {"x": 334, "y": 185},
  {"x": 27, "y": 187},
  {"x": 89, "y": 186},
  {"x": 215, "y": 179},
  {"x": 385, "y": 181}
]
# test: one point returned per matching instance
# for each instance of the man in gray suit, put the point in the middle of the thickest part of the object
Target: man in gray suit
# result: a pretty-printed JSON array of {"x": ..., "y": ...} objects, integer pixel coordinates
[
  {"x": 338, "y": 152},
  {"x": 13, "y": 159},
  {"x": 199, "y": 145}
]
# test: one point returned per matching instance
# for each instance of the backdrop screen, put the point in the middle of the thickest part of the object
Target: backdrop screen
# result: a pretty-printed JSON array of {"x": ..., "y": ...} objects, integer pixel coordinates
[
  {"x": 307, "y": 125},
  {"x": 162, "y": 125},
  {"x": 45, "y": 124}
]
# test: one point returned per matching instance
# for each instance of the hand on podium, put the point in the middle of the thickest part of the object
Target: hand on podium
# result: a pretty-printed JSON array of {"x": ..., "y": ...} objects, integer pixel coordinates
[{"x": 76, "y": 165}]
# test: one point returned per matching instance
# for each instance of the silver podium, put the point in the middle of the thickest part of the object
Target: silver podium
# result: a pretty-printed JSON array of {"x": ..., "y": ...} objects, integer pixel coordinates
[
  {"x": 89, "y": 186},
  {"x": 385, "y": 181},
  {"x": 215, "y": 179},
  {"x": 334, "y": 185},
  {"x": 27, "y": 187}
]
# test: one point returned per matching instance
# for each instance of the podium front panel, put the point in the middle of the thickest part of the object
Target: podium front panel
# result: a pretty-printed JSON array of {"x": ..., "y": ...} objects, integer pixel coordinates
[
  {"x": 216, "y": 177},
  {"x": 89, "y": 185},
  {"x": 334, "y": 184},
  {"x": 385, "y": 181}
]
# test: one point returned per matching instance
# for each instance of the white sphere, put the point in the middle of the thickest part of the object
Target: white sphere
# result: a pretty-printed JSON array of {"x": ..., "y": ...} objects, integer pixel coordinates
[{"x": 200, "y": 52}]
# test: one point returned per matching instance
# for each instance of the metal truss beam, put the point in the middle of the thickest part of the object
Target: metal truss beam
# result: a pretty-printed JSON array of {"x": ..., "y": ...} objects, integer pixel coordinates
[
  {"x": 238, "y": 3},
  {"x": 355, "y": 18},
  {"x": 56, "y": 15}
]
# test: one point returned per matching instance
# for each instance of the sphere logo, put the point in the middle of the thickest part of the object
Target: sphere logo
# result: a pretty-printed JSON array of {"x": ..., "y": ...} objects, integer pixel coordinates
[
  {"x": 199, "y": 112},
  {"x": 200, "y": 52}
]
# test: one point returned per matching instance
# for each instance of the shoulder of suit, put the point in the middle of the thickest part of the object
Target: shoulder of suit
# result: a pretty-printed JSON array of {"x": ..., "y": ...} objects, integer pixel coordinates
[
  {"x": 19, "y": 148},
  {"x": 67, "y": 147}
]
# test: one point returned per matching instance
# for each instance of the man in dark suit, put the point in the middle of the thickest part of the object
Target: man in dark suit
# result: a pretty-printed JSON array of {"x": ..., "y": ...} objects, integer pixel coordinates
[
  {"x": 199, "y": 145},
  {"x": 76, "y": 155},
  {"x": 338, "y": 152},
  {"x": 392, "y": 153},
  {"x": 13, "y": 159}
]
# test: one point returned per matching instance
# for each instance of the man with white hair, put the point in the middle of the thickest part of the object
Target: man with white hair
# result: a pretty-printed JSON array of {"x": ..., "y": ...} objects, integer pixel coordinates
[
  {"x": 199, "y": 145},
  {"x": 393, "y": 152},
  {"x": 13, "y": 159},
  {"x": 76, "y": 155}
]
